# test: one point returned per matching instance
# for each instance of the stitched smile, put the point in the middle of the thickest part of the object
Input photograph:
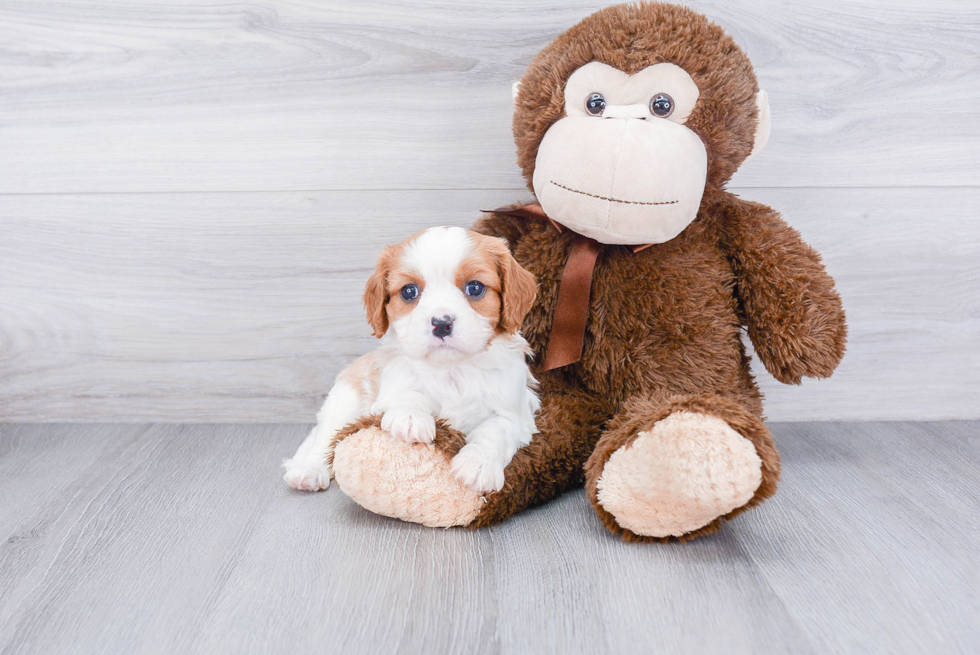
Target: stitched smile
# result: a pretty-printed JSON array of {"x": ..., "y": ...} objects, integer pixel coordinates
[{"x": 625, "y": 202}]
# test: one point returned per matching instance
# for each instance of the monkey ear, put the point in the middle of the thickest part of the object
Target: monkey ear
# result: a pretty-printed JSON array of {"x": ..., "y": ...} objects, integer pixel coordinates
[
  {"x": 518, "y": 288},
  {"x": 376, "y": 296},
  {"x": 765, "y": 124}
]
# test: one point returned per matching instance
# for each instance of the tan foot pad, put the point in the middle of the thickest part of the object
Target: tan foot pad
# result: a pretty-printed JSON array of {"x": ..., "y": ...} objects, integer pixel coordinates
[
  {"x": 411, "y": 482},
  {"x": 681, "y": 475}
]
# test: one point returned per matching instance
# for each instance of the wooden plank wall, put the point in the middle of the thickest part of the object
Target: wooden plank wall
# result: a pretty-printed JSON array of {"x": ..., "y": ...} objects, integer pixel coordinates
[{"x": 193, "y": 193}]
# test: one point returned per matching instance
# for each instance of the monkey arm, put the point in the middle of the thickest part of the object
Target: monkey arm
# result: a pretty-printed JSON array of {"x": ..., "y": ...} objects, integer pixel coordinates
[{"x": 787, "y": 300}]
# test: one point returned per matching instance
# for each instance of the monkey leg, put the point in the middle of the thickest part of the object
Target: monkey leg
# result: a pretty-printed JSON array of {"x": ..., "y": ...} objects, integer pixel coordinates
[
  {"x": 408, "y": 481},
  {"x": 674, "y": 467},
  {"x": 414, "y": 482},
  {"x": 569, "y": 425}
]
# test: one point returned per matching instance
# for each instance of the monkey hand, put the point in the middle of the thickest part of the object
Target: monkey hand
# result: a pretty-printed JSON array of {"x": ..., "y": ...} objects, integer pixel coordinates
[
  {"x": 789, "y": 304},
  {"x": 408, "y": 481}
]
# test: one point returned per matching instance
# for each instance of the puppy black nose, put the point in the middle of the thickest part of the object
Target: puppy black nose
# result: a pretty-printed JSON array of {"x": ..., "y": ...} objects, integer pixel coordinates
[{"x": 442, "y": 327}]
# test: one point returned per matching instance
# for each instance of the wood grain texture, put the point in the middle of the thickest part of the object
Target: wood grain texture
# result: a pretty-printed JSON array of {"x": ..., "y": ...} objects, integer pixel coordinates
[
  {"x": 200, "y": 307},
  {"x": 897, "y": 503},
  {"x": 163, "y": 539},
  {"x": 192, "y": 194},
  {"x": 120, "y": 96}
]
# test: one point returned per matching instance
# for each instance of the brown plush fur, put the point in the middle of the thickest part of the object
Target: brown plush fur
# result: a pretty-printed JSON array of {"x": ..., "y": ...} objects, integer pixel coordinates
[
  {"x": 664, "y": 331},
  {"x": 665, "y": 324},
  {"x": 552, "y": 464}
]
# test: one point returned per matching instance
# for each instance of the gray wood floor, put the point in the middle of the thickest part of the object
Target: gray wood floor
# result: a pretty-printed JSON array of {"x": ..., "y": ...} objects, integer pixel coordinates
[{"x": 182, "y": 538}]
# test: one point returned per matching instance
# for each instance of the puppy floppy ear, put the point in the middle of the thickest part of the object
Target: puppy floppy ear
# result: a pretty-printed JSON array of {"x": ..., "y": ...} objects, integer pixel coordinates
[
  {"x": 518, "y": 288},
  {"x": 376, "y": 295}
]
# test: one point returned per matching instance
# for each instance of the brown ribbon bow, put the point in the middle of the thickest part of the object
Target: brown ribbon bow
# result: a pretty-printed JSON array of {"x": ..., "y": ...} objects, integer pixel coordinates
[{"x": 572, "y": 312}]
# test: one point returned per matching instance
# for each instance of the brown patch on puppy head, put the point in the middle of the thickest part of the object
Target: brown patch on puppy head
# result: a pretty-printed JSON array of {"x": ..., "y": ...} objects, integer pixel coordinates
[
  {"x": 514, "y": 288},
  {"x": 398, "y": 278},
  {"x": 376, "y": 292},
  {"x": 632, "y": 37},
  {"x": 382, "y": 297},
  {"x": 481, "y": 267}
]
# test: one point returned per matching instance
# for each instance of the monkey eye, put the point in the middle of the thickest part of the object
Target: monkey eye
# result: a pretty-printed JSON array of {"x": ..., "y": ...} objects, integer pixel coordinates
[
  {"x": 475, "y": 289},
  {"x": 595, "y": 104},
  {"x": 409, "y": 292},
  {"x": 662, "y": 105}
]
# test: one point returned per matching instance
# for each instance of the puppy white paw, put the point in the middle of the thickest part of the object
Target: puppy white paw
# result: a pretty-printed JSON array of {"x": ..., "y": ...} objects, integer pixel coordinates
[
  {"x": 478, "y": 469},
  {"x": 307, "y": 476},
  {"x": 409, "y": 425}
]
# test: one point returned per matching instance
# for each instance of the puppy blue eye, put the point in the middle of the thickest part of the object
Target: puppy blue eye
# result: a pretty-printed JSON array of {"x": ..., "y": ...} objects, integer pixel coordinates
[
  {"x": 475, "y": 289},
  {"x": 409, "y": 292}
]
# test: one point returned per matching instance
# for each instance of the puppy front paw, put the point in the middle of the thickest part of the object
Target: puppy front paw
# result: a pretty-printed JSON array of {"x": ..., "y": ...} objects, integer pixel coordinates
[
  {"x": 409, "y": 425},
  {"x": 307, "y": 476},
  {"x": 480, "y": 470}
]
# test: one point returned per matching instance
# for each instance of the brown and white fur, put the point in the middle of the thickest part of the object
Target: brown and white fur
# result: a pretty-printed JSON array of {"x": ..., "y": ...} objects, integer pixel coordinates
[{"x": 471, "y": 371}]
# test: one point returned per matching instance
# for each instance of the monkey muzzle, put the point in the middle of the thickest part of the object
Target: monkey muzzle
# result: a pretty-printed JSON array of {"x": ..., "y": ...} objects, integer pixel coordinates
[{"x": 625, "y": 178}]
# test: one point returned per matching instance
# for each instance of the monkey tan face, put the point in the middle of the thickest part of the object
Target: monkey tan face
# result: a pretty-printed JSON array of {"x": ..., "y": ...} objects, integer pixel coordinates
[{"x": 621, "y": 166}]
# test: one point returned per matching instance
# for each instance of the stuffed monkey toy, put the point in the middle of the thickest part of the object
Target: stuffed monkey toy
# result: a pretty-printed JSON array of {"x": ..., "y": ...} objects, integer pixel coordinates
[{"x": 628, "y": 127}]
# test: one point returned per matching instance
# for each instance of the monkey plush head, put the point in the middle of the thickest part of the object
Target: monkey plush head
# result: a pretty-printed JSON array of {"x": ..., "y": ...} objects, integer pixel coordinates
[{"x": 626, "y": 120}]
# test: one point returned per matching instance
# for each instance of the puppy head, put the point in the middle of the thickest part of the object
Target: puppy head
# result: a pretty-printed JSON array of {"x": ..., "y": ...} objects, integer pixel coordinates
[{"x": 447, "y": 292}]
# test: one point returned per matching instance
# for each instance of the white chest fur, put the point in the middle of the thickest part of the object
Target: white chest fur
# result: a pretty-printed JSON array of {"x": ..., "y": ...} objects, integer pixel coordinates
[{"x": 495, "y": 382}]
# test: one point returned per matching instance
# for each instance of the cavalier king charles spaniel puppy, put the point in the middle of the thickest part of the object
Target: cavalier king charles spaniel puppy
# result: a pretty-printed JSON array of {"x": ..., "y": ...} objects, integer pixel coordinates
[{"x": 447, "y": 304}]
